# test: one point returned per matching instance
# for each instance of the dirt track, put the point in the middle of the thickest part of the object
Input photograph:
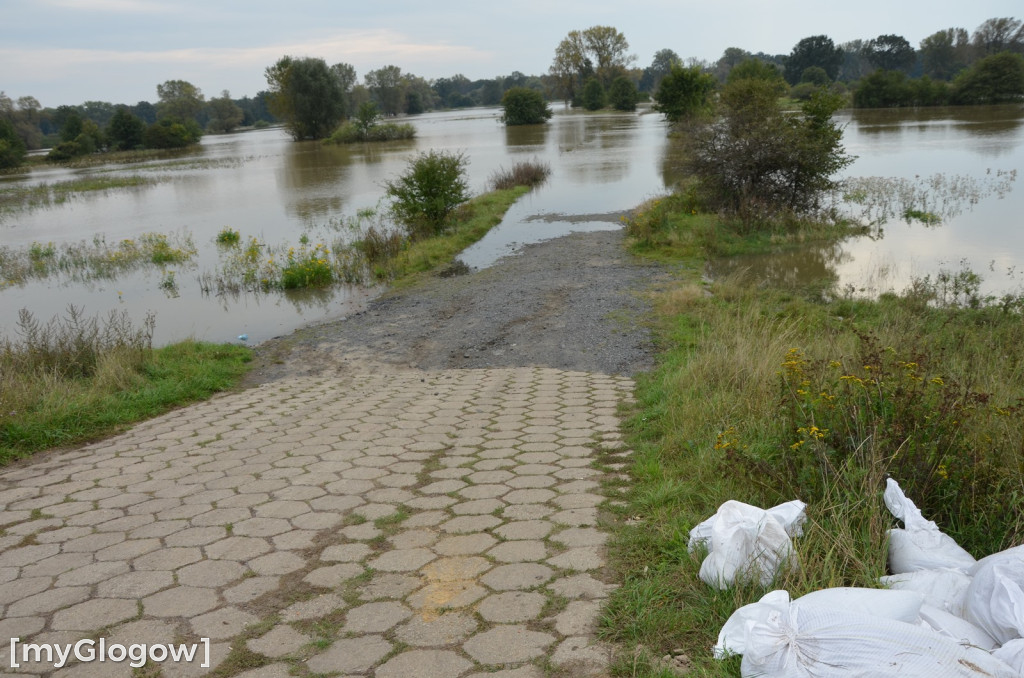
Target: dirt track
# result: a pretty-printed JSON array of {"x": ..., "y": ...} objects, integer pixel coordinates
[{"x": 571, "y": 303}]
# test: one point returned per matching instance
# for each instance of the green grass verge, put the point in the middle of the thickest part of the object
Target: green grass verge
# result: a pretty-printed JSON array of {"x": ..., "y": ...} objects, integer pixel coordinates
[
  {"x": 75, "y": 411},
  {"x": 470, "y": 223},
  {"x": 929, "y": 393}
]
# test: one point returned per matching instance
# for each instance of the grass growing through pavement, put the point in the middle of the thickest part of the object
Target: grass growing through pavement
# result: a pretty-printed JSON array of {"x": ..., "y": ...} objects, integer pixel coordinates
[
  {"x": 76, "y": 379},
  {"x": 765, "y": 395}
]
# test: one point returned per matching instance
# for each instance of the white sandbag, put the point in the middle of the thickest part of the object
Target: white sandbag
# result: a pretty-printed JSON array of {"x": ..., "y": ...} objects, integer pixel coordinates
[
  {"x": 791, "y": 515},
  {"x": 815, "y": 642},
  {"x": 921, "y": 545},
  {"x": 1012, "y": 654},
  {"x": 732, "y": 639},
  {"x": 943, "y": 588},
  {"x": 902, "y": 606},
  {"x": 956, "y": 628},
  {"x": 746, "y": 542},
  {"x": 995, "y": 599}
]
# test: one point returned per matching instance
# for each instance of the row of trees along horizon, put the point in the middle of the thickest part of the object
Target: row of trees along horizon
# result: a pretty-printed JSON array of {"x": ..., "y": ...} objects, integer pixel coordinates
[{"x": 950, "y": 66}]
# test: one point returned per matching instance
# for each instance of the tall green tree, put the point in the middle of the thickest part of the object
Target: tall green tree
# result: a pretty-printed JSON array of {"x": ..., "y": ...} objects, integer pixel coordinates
[
  {"x": 661, "y": 65},
  {"x": 225, "y": 114},
  {"x": 816, "y": 50},
  {"x": 945, "y": 53},
  {"x": 572, "y": 65},
  {"x": 306, "y": 95},
  {"x": 891, "y": 53},
  {"x": 609, "y": 50},
  {"x": 622, "y": 94},
  {"x": 12, "y": 148},
  {"x": 179, "y": 100},
  {"x": 1001, "y": 34},
  {"x": 125, "y": 131},
  {"x": 855, "y": 61},
  {"x": 759, "y": 70},
  {"x": 684, "y": 93},
  {"x": 993, "y": 80},
  {"x": 386, "y": 86}
]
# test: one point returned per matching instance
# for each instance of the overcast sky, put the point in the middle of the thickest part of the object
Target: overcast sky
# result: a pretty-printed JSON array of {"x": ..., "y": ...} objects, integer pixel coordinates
[{"x": 70, "y": 51}]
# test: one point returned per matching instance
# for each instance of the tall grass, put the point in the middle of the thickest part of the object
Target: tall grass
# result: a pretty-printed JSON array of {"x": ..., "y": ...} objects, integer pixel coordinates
[
  {"x": 525, "y": 173},
  {"x": 766, "y": 395},
  {"x": 77, "y": 378}
]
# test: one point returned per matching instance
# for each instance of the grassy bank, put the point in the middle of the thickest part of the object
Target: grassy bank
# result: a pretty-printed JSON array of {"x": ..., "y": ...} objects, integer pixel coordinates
[
  {"x": 402, "y": 261},
  {"x": 765, "y": 395},
  {"x": 76, "y": 380}
]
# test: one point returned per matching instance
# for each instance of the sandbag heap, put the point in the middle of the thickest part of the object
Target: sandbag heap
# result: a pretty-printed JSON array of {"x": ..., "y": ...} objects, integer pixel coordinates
[{"x": 943, "y": 614}]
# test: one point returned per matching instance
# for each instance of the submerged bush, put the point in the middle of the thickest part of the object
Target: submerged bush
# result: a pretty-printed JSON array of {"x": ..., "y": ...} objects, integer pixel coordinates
[
  {"x": 526, "y": 173},
  {"x": 524, "y": 106},
  {"x": 432, "y": 186}
]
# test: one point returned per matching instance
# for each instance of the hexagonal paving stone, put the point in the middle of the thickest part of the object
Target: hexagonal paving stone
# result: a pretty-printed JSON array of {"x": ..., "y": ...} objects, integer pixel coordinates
[
  {"x": 440, "y": 595},
  {"x": 281, "y": 641},
  {"x": 135, "y": 585},
  {"x": 211, "y": 573},
  {"x": 467, "y": 524},
  {"x": 227, "y": 622},
  {"x": 464, "y": 544},
  {"x": 520, "y": 576},
  {"x": 168, "y": 559},
  {"x": 333, "y": 575},
  {"x": 436, "y": 630},
  {"x": 506, "y": 644},
  {"x": 375, "y": 617},
  {"x": 350, "y": 655},
  {"x": 237, "y": 548},
  {"x": 522, "y": 551},
  {"x": 279, "y": 562},
  {"x": 345, "y": 553},
  {"x": 525, "y": 529},
  {"x": 514, "y": 606},
  {"x": 423, "y": 664},
  {"x": 94, "y": 614},
  {"x": 456, "y": 568},
  {"x": 403, "y": 560},
  {"x": 180, "y": 601}
]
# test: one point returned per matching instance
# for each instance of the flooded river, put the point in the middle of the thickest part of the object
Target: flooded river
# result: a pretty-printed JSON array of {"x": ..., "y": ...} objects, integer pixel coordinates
[{"x": 264, "y": 185}]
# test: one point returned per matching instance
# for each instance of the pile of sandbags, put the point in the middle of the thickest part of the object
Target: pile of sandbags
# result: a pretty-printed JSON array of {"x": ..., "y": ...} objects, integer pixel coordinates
[{"x": 942, "y": 613}]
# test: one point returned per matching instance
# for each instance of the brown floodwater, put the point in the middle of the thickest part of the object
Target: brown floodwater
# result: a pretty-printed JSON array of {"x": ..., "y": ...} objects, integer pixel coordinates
[
  {"x": 955, "y": 162},
  {"x": 264, "y": 185}
]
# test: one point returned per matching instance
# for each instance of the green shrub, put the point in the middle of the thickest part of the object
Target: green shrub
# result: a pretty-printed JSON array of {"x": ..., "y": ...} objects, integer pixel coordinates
[
  {"x": 522, "y": 174},
  {"x": 594, "y": 98},
  {"x": 524, "y": 106},
  {"x": 228, "y": 236},
  {"x": 351, "y": 133},
  {"x": 12, "y": 148},
  {"x": 432, "y": 186},
  {"x": 307, "y": 268},
  {"x": 622, "y": 94}
]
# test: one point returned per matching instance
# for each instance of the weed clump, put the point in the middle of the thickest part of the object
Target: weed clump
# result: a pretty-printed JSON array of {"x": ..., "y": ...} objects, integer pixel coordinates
[{"x": 527, "y": 173}]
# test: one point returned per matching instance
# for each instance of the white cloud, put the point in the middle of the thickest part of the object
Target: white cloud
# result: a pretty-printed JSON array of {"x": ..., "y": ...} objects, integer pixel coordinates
[{"x": 115, "y": 6}]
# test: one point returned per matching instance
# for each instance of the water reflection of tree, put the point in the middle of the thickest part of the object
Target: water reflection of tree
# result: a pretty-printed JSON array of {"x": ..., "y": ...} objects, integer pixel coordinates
[
  {"x": 982, "y": 121},
  {"x": 303, "y": 300},
  {"x": 526, "y": 138},
  {"x": 612, "y": 134},
  {"x": 812, "y": 267}
]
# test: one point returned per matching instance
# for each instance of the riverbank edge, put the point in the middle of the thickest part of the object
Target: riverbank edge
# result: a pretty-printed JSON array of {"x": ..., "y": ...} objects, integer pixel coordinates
[
  {"x": 78, "y": 411},
  {"x": 713, "y": 403}
]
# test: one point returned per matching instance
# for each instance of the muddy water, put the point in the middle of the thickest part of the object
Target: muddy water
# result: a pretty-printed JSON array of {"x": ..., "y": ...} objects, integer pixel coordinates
[
  {"x": 967, "y": 148},
  {"x": 265, "y": 185}
]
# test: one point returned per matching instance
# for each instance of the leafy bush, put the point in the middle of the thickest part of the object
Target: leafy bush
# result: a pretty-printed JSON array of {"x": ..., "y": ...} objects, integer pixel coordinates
[
  {"x": 593, "y": 95},
  {"x": 757, "y": 161},
  {"x": 432, "y": 186},
  {"x": 228, "y": 236},
  {"x": 684, "y": 93},
  {"x": 522, "y": 174},
  {"x": 171, "y": 134},
  {"x": 12, "y": 148},
  {"x": 524, "y": 106},
  {"x": 622, "y": 94},
  {"x": 307, "y": 268},
  {"x": 350, "y": 133},
  {"x": 995, "y": 79}
]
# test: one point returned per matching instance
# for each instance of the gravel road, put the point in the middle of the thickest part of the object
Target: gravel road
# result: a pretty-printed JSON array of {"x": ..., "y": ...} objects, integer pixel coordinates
[{"x": 570, "y": 303}]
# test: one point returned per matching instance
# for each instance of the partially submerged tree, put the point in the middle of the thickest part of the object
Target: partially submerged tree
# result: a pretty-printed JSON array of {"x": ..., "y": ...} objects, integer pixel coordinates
[
  {"x": 684, "y": 93},
  {"x": 179, "y": 100},
  {"x": 432, "y": 186},
  {"x": 307, "y": 95},
  {"x": 756, "y": 160},
  {"x": 225, "y": 114},
  {"x": 599, "y": 51},
  {"x": 622, "y": 94},
  {"x": 594, "y": 98},
  {"x": 524, "y": 106}
]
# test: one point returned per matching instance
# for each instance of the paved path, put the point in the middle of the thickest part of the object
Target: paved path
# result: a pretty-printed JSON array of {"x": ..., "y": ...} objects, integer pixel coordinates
[{"x": 389, "y": 524}]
